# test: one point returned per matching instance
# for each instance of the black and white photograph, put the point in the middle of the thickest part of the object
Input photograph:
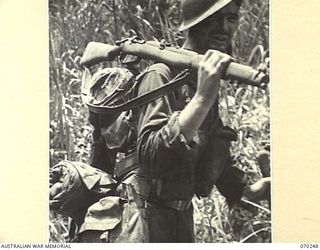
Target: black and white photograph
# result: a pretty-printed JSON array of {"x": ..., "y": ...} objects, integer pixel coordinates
[{"x": 159, "y": 121}]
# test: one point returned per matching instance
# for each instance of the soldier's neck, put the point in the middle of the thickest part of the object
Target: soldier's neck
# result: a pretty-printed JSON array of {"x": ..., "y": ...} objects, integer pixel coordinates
[
  {"x": 191, "y": 44},
  {"x": 194, "y": 45}
]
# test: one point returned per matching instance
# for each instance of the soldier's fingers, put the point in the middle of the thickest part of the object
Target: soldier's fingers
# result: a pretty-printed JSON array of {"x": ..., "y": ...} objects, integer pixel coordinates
[
  {"x": 214, "y": 59},
  {"x": 223, "y": 63},
  {"x": 208, "y": 54}
]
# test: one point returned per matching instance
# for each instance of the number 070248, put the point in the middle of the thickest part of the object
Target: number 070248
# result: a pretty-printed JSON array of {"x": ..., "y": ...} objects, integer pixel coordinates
[{"x": 309, "y": 246}]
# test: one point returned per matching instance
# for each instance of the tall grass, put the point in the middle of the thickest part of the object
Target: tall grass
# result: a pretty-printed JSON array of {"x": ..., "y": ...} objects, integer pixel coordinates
[{"x": 74, "y": 23}]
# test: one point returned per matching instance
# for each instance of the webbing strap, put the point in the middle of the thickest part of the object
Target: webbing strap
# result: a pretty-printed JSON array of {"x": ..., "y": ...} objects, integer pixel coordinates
[
  {"x": 178, "y": 81},
  {"x": 179, "y": 205}
]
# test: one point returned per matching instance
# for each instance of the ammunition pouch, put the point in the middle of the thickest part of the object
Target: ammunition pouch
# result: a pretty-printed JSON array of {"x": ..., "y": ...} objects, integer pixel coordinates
[
  {"x": 126, "y": 165},
  {"x": 116, "y": 219}
]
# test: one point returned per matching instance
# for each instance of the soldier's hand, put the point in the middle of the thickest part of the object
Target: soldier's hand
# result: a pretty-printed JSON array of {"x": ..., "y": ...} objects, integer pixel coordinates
[
  {"x": 211, "y": 68},
  {"x": 259, "y": 190},
  {"x": 55, "y": 190}
]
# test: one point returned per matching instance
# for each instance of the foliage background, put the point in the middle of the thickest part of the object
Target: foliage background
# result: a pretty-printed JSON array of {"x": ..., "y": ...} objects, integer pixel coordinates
[{"x": 74, "y": 23}]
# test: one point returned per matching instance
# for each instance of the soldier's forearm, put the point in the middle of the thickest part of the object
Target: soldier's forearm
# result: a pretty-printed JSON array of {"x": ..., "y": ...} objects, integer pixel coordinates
[{"x": 192, "y": 116}]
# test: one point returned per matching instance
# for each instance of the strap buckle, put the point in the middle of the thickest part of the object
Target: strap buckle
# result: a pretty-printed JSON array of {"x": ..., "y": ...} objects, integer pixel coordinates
[{"x": 179, "y": 205}]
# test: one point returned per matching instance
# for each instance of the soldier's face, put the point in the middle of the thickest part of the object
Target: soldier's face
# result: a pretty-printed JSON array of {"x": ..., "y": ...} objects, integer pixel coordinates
[{"x": 216, "y": 31}]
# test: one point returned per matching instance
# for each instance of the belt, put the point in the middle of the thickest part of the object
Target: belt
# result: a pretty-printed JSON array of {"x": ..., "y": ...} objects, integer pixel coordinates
[
  {"x": 125, "y": 165},
  {"x": 179, "y": 205},
  {"x": 141, "y": 184}
]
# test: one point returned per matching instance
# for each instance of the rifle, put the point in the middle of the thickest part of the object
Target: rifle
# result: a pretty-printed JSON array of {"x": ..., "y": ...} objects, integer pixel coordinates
[{"x": 177, "y": 57}]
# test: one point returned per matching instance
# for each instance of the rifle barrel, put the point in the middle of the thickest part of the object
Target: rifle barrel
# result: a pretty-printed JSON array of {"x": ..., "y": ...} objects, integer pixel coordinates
[
  {"x": 182, "y": 58},
  {"x": 176, "y": 57}
]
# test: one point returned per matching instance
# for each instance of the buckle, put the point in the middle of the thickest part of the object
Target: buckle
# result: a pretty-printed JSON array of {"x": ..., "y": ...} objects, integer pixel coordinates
[{"x": 179, "y": 205}]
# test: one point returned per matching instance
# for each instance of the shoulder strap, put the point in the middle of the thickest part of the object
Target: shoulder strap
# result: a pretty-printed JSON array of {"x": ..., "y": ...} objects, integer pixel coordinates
[{"x": 175, "y": 83}]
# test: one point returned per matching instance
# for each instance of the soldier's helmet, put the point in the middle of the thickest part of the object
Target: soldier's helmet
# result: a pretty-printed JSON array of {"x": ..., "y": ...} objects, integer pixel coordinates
[{"x": 195, "y": 11}]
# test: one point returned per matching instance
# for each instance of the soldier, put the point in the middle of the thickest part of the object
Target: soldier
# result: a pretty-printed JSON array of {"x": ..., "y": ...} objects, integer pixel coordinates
[
  {"x": 179, "y": 147},
  {"x": 182, "y": 146}
]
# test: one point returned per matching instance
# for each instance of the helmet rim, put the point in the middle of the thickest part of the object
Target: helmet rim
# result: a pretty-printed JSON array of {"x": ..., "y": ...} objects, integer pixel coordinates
[{"x": 188, "y": 23}]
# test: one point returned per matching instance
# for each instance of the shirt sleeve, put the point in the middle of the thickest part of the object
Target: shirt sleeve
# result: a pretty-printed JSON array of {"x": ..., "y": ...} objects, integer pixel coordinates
[{"x": 161, "y": 147}]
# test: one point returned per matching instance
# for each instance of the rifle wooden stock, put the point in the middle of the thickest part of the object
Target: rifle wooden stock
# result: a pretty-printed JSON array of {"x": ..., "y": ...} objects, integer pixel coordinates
[{"x": 177, "y": 57}]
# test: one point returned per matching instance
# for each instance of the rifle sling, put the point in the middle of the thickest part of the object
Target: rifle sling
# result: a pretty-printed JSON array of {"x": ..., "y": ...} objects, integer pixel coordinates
[{"x": 178, "y": 81}]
